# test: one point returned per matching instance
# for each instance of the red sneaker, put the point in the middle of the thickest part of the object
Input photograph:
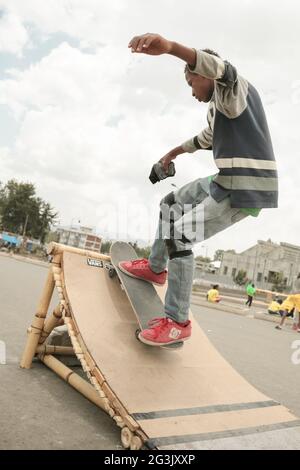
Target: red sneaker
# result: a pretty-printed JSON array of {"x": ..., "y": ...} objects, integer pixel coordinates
[
  {"x": 165, "y": 331},
  {"x": 140, "y": 269}
]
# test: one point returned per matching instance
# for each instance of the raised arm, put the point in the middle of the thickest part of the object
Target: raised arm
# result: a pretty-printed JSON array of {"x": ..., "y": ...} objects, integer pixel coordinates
[
  {"x": 154, "y": 44},
  {"x": 199, "y": 62}
]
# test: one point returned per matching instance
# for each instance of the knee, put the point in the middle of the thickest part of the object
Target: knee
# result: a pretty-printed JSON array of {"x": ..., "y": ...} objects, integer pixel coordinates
[
  {"x": 174, "y": 252},
  {"x": 169, "y": 199}
]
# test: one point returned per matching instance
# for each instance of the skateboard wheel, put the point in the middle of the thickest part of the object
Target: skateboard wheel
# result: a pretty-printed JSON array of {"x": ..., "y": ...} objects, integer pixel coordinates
[
  {"x": 136, "y": 443},
  {"x": 126, "y": 437},
  {"x": 137, "y": 332},
  {"x": 111, "y": 272}
]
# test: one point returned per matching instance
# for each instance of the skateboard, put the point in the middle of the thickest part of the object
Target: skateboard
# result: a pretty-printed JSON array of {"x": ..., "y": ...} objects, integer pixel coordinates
[{"x": 142, "y": 295}]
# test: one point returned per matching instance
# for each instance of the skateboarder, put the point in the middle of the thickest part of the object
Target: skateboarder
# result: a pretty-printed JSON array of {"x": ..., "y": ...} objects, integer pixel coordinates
[{"x": 238, "y": 135}]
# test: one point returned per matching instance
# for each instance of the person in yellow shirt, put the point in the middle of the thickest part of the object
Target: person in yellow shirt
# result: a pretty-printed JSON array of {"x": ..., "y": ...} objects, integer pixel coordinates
[
  {"x": 274, "y": 306},
  {"x": 213, "y": 294},
  {"x": 291, "y": 303}
]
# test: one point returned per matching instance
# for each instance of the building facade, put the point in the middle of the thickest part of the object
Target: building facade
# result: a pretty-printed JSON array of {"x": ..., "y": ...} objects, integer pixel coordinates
[
  {"x": 79, "y": 237},
  {"x": 263, "y": 263}
]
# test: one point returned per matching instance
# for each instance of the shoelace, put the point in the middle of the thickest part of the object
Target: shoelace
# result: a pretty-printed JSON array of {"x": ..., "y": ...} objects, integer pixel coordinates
[
  {"x": 140, "y": 261},
  {"x": 160, "y": 326},
  {"x": 160, "y": 323},
  {"x": 155, "y": 320}
]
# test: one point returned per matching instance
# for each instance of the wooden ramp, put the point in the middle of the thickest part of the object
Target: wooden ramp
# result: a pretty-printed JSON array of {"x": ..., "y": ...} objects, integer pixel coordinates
[{"x": 166, "y": 399}]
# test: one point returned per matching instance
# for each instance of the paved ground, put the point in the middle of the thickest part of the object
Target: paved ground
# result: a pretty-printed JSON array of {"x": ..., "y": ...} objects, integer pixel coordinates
[
  {"x": 39, "y": 411},
  {"x": 257, "y": 351}
]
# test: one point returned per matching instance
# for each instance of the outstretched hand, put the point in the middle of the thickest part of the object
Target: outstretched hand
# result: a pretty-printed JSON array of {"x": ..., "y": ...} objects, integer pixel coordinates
[
  {"x": 149, "y": 43},
  {"x": 166, "y": 160}
]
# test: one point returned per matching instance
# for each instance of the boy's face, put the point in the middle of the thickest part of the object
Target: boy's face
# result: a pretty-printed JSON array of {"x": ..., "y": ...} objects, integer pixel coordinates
[{"x": 202, "y": 88}]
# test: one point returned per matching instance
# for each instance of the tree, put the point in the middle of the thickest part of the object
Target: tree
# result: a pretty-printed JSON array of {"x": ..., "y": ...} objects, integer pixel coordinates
[
  {"x": 218, "y": 256},
  {"x": 279, "y": 282},
  {"x": 105, "y": 246},
  {"x": 141, "y": 252},
  {"x": 241, "y": 277},
  {"x": 22, "y": 212}
]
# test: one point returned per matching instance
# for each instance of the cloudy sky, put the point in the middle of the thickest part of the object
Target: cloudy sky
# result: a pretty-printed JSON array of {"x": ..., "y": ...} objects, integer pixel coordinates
[{"x": 84, "y": 119}]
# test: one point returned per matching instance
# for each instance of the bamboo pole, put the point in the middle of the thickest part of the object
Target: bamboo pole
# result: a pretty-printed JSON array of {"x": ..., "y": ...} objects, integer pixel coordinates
[
  {"x": 50, "y": 323},
  {"x": 38, "y": 323},
  {"x": 270, "y": 294},
  {"x": 53, "y": 349},
  {"x": 81, "y": 385},
  {"x": 57, "y": 248}
]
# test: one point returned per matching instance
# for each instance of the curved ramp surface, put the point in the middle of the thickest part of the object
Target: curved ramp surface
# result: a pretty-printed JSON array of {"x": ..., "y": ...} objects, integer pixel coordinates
[{"x": 186, "y": 399}]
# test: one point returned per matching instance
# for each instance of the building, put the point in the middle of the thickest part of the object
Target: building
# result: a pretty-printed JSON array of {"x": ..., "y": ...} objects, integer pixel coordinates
[
  {"x": 79, "y": 237},
  {"x": 263, "y": 263}
]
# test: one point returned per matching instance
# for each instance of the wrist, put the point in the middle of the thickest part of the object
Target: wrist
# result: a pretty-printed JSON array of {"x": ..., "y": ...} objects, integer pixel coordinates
[{"x": 171, "y": 47}]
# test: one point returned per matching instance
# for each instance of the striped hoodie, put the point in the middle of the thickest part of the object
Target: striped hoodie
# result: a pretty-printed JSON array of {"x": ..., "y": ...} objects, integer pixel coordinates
[{"x": 239, "y": 137}]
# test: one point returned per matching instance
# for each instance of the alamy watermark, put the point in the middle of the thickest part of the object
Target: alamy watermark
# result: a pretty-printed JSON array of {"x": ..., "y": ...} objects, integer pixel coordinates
[
  {"x": 295, "y": 358},
  {"x": 2, "y": 352},
  {"x": 137, "y": 220}
]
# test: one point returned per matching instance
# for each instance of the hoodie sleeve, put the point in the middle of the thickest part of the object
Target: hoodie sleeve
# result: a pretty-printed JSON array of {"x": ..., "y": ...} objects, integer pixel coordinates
[{"x": 200, "y": 141}]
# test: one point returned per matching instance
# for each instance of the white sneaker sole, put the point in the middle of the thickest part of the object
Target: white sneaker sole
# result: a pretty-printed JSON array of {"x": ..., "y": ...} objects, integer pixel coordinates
[{"x": 152, "y": 343}]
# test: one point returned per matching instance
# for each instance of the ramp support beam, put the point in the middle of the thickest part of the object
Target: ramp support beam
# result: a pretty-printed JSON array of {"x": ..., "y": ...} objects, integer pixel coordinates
[
  {"x": 81, "y": 385},
  {"x": 38, "y": 323}
]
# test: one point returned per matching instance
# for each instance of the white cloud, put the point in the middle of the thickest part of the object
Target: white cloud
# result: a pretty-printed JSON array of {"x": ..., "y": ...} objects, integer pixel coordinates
[
  {"x": 92, "y": 124},
  {"x": 13, "y": 34}
]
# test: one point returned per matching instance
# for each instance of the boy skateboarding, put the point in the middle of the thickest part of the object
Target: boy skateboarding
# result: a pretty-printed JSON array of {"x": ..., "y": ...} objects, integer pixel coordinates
[{"x": 238, "y": 135}]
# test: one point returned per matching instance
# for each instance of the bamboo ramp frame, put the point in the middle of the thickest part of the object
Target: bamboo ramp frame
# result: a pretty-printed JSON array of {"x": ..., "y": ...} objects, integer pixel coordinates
[{"x": 160, "y": 399}]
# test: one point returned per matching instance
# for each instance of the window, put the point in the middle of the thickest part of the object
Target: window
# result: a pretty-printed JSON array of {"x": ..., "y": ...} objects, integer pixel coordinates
[
  {"x": 259, "y": 277},
  {"x": 225, "y": 270},
  {"x": 233, "y": 272}
]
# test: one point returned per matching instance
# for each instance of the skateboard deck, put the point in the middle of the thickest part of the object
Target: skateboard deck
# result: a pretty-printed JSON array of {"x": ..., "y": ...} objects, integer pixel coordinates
[{"x": 142, "y": 295}]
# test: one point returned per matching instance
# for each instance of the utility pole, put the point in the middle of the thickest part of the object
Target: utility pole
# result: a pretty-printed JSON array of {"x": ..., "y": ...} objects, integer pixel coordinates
[
  {"x": 24, "y": 231},
  {"x": 254, "y": 269},
  {"x": 25, "y": 226}
]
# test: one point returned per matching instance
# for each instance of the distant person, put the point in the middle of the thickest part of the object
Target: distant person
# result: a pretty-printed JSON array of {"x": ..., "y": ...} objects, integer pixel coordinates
[
  {"x": 287, "y": 310},
  {"x": 250, "y": 289},
  {"x": 291, "y": 303},
  {"x": 213, "y": 294},
  {"x": 274, "y": 306}
]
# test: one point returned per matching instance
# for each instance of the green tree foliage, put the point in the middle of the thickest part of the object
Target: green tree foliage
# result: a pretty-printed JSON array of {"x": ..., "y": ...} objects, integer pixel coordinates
[
  {"x": 22, "y": 212},
  {"x": 241, "y": 277},
  {"x": 279, "y": 282},
  {"x": 141, "y": 252},
  {"x": 105, "y": 247},
  {"x": 218, "y": 256}
]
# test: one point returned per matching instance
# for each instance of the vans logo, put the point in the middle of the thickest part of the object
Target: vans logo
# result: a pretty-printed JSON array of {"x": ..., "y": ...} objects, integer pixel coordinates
[{"x": 95, "y": 262}]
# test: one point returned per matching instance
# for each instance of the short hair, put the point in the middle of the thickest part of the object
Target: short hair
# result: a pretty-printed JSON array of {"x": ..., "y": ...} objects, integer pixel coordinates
[{"x": 208, "y": 51}]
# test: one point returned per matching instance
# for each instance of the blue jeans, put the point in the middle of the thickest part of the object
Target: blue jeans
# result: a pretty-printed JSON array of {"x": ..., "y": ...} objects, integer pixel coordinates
[{"x": 187, "y": 217}]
